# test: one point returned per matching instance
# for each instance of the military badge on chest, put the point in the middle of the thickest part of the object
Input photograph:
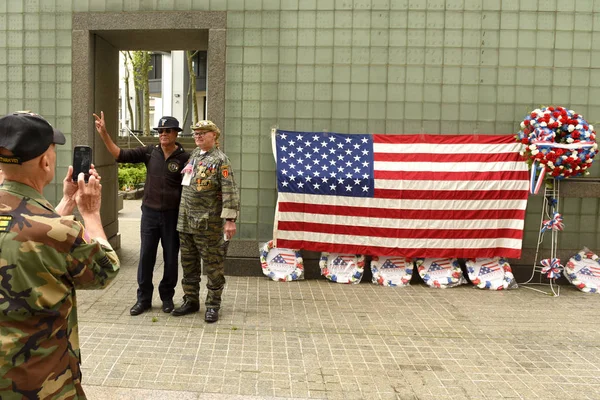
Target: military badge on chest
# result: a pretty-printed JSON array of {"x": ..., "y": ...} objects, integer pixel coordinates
[
  {"x": 173, "y": 166},
  {"x": 204, "y": 176}
]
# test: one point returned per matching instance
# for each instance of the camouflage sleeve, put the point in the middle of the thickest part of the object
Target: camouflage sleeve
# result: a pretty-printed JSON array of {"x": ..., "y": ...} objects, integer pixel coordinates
[
  {"x": 229, "y": 190},
  {"x": 92, "y": 264}
]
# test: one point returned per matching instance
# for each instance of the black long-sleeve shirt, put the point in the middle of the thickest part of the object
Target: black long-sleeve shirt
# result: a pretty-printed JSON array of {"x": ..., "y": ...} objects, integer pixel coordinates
[{"x": 162, "y": 190}]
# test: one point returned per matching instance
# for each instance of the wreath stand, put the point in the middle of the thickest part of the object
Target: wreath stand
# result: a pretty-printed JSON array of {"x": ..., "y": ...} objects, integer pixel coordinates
[{"x": 549, "y": 208}]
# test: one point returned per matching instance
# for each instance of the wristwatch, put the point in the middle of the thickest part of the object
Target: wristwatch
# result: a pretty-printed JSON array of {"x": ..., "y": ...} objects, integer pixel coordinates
[{"x": 230, "y": 219}]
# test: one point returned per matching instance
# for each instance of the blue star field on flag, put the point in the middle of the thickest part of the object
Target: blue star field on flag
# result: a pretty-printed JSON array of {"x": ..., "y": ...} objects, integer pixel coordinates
[
  {"x": 389, "y": 264},
  {"x": 487, "y": 270},
  {"x": 279, "y": 259},
  {"x": 435, "y": 267},
  {"x": 325, "y": 163},
  {"x": 339, "y": 261}
]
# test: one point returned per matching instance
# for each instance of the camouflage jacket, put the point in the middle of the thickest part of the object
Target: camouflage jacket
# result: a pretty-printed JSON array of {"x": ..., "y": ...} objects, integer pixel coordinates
[
  {"x": 43, "y": 258},
  {"x": 212, "y": 192}
]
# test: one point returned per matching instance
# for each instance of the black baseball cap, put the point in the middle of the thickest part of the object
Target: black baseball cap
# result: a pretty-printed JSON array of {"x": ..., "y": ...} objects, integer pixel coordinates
[
  {"x": 26, "y": 135},
  {"x": 168, "y": 122}
]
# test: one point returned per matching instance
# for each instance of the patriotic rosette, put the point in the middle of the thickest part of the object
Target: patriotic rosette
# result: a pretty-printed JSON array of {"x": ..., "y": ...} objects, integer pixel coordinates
[
  {"x": 342, "y": 268},
  {"x": 440, "y": 272},
  {"x": 553, "y": 224},
  {"x": 391, "y": 271},
  {"x": 560, "y": 144},
  {"x": 491, "y": 273},
  {"x": 281, "y": 264},
  {"x": 551, "y": 267},
  {"x": 583, "y": 271}
]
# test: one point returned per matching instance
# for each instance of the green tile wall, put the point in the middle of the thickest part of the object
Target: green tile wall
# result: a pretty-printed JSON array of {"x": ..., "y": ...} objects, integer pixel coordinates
[{"x": 395, "y": 66}]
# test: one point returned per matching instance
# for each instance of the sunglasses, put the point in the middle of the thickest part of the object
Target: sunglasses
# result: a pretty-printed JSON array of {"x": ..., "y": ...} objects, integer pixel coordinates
[
  {"x": 201, "y": 133},
  {"x": 168, "y": 130}
]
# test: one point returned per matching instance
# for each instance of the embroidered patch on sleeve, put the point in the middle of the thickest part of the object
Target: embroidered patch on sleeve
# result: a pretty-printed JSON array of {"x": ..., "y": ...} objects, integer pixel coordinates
[
  {"x": 225, "y": 171},
  {"x": 5, "y": 223}
]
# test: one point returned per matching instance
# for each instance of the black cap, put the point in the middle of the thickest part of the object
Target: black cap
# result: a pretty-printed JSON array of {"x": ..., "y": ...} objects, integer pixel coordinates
[
  {"x": 168, "y": 122},
  {"x": 26, "y": 135}
]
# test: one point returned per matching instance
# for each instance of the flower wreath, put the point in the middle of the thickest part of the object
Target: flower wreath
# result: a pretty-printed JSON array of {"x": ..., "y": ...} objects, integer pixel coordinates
[
  {"x": 379, "y": 273},
  {"x": 497, "y": 284},
  {"x": 296, "y": 274},
  {"x": 559, "y": 142},
  {"x": 574, "y": 277},
  {"x": 454, "y": 278},
  {"x": 353, "y": 278}
]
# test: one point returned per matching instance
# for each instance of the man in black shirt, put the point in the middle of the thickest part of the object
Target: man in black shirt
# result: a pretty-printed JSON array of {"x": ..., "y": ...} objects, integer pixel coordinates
[{"x": 160, "y": 206}]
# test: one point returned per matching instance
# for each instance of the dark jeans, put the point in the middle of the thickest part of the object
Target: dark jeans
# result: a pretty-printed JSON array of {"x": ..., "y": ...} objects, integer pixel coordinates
[{"x": 158, "y": 226}]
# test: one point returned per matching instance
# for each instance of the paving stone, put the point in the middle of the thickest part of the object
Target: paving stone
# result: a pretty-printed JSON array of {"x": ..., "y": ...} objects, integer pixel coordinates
[{"x": 317, "y": 339}]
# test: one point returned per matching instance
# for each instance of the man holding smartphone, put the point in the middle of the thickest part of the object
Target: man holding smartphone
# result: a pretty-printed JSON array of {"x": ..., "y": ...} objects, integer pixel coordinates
[
  {"x": 45, "y": 256},
  {"x": 160, "y": 207}
]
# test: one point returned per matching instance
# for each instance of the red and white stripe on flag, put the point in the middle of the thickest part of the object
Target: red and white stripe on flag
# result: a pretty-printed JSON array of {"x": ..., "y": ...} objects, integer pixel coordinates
[{"x": 457, "y": 196}]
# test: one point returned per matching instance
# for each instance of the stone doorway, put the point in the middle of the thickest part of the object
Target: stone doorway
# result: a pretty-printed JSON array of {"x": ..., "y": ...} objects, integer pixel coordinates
[{"x": 97, "y": 40}]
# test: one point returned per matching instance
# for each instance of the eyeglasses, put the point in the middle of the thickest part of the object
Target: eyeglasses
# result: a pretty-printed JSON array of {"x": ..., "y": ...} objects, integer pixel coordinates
[
  {"x": 168, "y": 130},
  {"x": 201, "y": 133}
]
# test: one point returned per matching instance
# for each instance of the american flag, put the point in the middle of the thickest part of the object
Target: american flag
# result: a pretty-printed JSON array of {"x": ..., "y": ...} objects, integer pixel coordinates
[
  {"x": 590, "y": 270},
  {"x": 435, "y": 267},
  {"x": 394, "y": 262},
  {"x": 284, "y": 257},
  {"x": 488, "y": 268},
  {"x": 343, "y": 260},
  {"x": 403, "y": 195},
  {"x": 439, "y": 265}
]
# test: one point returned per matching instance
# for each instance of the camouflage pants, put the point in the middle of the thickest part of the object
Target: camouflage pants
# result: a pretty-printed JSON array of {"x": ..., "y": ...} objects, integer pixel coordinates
[{"x": 207, "y": 245}]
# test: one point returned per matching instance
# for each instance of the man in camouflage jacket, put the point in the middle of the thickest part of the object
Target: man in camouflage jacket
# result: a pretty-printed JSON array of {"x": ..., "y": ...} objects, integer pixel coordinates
[
  {"x": 209, "y": 196},
  {"x": 44, "y": 255}
]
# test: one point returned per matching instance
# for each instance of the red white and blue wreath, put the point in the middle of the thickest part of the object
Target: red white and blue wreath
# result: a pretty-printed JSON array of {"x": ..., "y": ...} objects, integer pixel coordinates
[
  {"x": 560, "y": 144},
  {"x": 491, "y": 273},
  {"x": 583, "y": 271},
  {"x": 391, "y": 271},
  {"x": 440, "y": 272},
  {"x": 281, "y": 264},
  {"x": 342, "y": 268}
]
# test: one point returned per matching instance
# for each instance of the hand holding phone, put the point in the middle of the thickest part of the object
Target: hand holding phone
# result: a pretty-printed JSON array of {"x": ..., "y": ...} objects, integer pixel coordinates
[{"x": 82, "y": 161}]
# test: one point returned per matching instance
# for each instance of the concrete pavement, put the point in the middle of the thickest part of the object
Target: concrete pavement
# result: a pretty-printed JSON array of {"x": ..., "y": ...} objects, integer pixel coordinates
[{"x": 317, "y": 339}]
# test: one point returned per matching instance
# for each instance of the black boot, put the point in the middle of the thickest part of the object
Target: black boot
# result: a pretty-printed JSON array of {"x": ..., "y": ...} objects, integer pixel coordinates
[
  {"x": 187, "y": 307},
  {"x": 212, "y": 315}
]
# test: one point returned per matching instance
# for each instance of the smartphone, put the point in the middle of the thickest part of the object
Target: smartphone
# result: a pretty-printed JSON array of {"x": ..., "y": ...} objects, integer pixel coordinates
[{"x": 82, "y": 161}]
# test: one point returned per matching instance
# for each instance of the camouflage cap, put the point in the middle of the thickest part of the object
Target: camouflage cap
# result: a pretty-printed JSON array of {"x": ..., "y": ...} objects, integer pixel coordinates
[{"x": 206, "y": 125}]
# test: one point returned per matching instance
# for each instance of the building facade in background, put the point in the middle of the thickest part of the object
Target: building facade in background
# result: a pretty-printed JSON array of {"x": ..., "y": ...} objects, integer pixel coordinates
[
  {"x": 380, "y": 66},
  {"x": 170, "y": 94}
]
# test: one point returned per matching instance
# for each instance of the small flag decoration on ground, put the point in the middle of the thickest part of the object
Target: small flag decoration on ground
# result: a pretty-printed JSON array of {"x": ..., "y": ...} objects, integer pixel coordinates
[
  {"x": 583, "y": 271},
  {"x": 440, "y": 272},
  {"x": 491, "y": 273},
  {"x": 342, "y": 268},
  {"x": 281, "y": 264},
  {"x": 391, "y": 271}
]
